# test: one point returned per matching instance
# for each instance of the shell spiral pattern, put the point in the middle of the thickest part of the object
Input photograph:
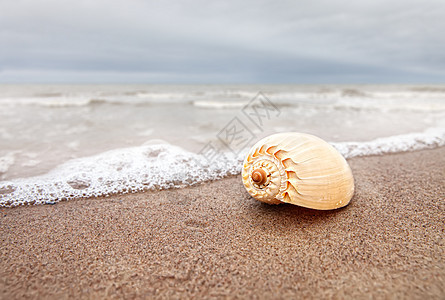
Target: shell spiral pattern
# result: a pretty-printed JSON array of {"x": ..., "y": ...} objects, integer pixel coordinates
[{"x": 300, "y": 169}]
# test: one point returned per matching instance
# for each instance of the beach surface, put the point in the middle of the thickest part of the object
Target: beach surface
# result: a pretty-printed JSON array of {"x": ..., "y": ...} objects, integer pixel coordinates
[{"x": 213, "y": 240}]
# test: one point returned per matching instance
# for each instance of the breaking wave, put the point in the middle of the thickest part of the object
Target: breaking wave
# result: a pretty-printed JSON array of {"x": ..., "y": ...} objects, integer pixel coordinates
[
  {"x": 163, "y": 166},
  {"x": 414, "y": 98}
]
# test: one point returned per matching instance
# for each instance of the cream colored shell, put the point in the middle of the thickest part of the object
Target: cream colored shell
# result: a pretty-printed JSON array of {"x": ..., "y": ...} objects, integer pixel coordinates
[{"x": 301, "y": 169}]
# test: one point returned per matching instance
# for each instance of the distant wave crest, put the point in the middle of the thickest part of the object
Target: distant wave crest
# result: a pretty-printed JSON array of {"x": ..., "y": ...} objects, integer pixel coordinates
[{"x": 415, "y": 98}]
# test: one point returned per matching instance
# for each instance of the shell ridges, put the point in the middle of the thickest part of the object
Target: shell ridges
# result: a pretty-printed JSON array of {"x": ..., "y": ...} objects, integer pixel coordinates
[{"x": 301, "y": 169}]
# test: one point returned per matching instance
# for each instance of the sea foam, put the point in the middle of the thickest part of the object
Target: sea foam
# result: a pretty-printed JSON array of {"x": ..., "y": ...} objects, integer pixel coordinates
[
  {"x": 430, "y": 138},
  {"x": 163, "y": 166}
]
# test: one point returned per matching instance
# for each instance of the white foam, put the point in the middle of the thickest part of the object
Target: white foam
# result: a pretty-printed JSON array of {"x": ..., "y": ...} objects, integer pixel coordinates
[
  {"x": 63, "y": 101},
  {"x": 431, "y": 138},
  {"x": 219, "y": 104},
  {"x": 162, "y": 166},
  {"x": 124, "y": 170},
  {"x": 391, "y": 104}
]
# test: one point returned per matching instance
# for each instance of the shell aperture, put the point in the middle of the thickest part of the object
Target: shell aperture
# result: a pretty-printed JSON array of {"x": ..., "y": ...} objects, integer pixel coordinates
[{"x": 300, "y": 169}]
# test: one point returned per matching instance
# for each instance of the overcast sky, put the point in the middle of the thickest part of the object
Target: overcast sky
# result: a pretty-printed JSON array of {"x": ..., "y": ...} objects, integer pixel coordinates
[{"x": 306, "y": 41}]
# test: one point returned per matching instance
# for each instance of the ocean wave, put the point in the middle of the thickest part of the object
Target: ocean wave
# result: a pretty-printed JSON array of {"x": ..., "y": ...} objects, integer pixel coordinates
[
  {"x": 430, "y": 138},
  {"x": 52, "y": 101},
  {"x": 124, "y": 170},
  {"x": 163, "y": 166},
  {"x": 414, "y": 98},
  {"x": 58, "y": 102},
  {"x": 219, "y": 104},
  {"x": 362, "y": 104}
]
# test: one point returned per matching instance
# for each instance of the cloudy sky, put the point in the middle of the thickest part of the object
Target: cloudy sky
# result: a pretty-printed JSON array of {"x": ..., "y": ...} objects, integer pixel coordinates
[{"x": 306, "y": 41}]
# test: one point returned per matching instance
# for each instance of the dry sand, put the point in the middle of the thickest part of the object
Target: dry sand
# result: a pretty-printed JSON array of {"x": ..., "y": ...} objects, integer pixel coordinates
[{"x": 213, "y": 240}]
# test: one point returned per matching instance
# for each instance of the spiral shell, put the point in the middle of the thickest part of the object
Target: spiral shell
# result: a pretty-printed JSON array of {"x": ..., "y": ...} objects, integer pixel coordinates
[{"x": 300, "y": 169}]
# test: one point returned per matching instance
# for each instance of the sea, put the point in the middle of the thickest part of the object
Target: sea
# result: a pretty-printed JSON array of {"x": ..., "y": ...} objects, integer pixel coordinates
[{"x": 60, "y": 142}]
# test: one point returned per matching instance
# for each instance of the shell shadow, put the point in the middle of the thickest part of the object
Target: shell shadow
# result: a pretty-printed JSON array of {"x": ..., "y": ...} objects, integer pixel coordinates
[
  {"x": 285, "y": 217},
  {"x": 290, "y": 210}
]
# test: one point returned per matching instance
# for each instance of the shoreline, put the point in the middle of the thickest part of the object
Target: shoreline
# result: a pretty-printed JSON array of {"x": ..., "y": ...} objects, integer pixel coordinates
[{"x": 212, "y": 239}]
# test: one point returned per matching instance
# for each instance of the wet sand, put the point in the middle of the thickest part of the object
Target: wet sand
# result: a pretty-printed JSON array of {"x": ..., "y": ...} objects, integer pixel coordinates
[{"x": 213, "y": 240}]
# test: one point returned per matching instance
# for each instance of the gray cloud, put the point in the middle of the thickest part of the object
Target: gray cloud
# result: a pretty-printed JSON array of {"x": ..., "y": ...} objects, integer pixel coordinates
[{"x": 231, "y": 41}]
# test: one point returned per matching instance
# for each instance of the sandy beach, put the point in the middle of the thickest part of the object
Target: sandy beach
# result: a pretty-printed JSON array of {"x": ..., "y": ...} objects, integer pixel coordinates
[
  {"x": 213, "y": 240},
  {"x": 125, "y": 125}
]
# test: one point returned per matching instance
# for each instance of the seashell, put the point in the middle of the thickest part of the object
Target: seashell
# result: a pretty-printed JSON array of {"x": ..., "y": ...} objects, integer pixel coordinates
[{"x": 300, "y": 169}]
